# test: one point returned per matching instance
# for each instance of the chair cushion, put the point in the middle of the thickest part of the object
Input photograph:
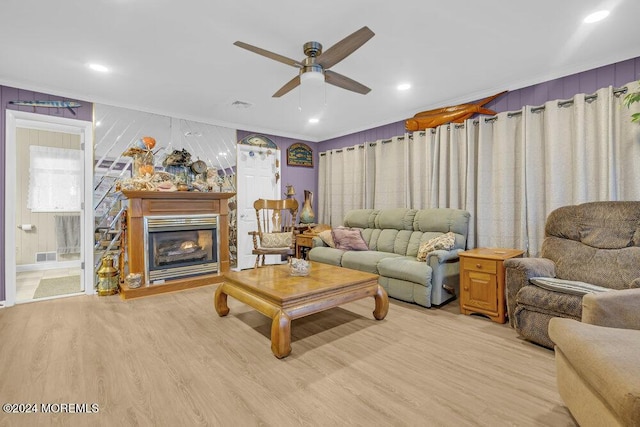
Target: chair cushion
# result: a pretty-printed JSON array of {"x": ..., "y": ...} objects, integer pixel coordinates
[
  {"x": 276, "y": 240},
  {"x": 349, "y": 239},
  {"x": 444, "y": 242}
]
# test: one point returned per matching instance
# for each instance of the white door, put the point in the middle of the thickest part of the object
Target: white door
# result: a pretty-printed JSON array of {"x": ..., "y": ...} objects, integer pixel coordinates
[
  {"x": 258, "y": 178},
  {"x": 46, "y": 236}
]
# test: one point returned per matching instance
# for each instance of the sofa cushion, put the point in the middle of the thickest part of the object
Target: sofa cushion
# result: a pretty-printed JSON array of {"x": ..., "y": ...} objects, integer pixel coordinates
[
  {"x": 365, "y": 260},
  {"x": 386, "y": 241},
  {"x": 349, "y": 239},
  {"x": 444, "y": 242},
  {"x": 360, "y": 218},
  {"x": 326, "y": 255},
  {"x": 406, "y": 268},
  {"x": 443, "y": 220},
  {"x": 397, "y": 219},
  {"x": 276, "y": 240}
]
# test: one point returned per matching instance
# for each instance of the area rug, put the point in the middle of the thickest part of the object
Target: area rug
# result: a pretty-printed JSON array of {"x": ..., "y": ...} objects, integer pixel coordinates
[{"x": 57, "y": 286}]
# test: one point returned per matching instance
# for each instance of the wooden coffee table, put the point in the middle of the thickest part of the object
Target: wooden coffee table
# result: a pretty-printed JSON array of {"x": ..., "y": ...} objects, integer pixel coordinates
[{"x": 283, "y": 298}]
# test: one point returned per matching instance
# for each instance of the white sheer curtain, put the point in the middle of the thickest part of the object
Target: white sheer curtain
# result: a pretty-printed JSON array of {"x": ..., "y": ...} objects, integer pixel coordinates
[
  {"x": 55, "y": 179},
  {"x": 509, "y": 171}
]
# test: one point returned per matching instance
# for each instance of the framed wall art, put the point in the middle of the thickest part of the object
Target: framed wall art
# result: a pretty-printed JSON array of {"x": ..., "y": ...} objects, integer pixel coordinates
[{"x": 300, "y": 154}]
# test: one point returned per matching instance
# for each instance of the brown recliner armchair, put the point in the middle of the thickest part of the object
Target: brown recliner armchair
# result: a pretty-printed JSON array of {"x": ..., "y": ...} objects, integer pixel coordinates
[{"x": 588, "y": 248}]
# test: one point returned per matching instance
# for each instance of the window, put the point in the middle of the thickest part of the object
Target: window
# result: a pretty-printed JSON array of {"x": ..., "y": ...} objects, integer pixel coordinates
[{"x": 55, "y": 179}]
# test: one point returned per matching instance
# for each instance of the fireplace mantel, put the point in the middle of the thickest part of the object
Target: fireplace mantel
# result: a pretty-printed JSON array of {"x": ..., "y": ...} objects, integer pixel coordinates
[{"x": 149, "y": 203}]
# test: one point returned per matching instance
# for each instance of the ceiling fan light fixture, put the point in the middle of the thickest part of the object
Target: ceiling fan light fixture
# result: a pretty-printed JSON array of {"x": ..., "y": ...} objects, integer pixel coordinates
[
  {"x": 311, "y": 76},
  {"x": 596, "y": 16}
]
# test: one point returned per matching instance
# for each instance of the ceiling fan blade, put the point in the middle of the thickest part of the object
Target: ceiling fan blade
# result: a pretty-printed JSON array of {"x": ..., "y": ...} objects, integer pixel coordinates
[
  {"x": 294, "y": 82},
  {"x": 344, "y": 48},
  {"x": 270, "y": 55},
  {"x": 344, "y": 82}
]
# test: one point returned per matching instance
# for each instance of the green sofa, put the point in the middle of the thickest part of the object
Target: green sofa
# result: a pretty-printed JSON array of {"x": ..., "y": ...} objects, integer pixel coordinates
[{"x": 394, "y": 237}]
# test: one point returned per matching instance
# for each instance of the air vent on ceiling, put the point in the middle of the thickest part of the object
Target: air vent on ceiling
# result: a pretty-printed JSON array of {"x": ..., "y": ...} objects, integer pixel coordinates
[{"x": 241, "y": 104}]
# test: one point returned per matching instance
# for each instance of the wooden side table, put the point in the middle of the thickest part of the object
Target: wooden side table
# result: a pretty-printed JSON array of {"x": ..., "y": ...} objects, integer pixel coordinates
[
  {"x": 303, "y": 244},
  {"x": 482, "y": 287}
]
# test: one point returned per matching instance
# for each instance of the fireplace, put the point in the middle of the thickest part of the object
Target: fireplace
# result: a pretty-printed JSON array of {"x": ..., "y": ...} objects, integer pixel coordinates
[
  {"x": 160, "y": 220},
  {"x": 178, "y": 246}
]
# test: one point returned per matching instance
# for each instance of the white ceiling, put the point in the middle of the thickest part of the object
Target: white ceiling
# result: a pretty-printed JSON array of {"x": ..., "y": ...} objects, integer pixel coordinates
[{"x": 177, "y": 58}]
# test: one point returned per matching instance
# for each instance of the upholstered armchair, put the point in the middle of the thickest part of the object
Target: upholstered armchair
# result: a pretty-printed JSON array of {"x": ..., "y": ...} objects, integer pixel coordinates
[
  {"x": 588, "y": 248},
  {"x": 597, "y": 368}
]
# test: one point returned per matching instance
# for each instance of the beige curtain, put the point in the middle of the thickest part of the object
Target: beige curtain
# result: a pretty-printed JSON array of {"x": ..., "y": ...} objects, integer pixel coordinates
[
  {"x": 509, "y": 171},
  {"x": 389, "y": 175},
  {"x": 341, "y": 183}
]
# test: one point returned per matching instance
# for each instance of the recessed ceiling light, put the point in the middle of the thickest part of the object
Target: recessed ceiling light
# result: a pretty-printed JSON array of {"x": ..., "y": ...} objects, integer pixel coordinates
[
  {"x": 314, "y": 120},
  {"x": 98, "y": 67},
  {"x": 404, "y": 86},
  {"x": 596, "y": 16}
]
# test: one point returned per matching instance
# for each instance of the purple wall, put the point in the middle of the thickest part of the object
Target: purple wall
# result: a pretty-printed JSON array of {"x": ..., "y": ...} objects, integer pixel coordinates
[
  {"x": 85, "y": 112},
  {"x": 616, "y": 75},
  {"x": 302, "y": 178}
]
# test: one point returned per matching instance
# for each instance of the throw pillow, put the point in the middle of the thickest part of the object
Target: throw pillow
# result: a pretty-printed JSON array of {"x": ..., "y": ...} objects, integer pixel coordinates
[
  {"x": 327, "y": 238},
  {"x": 444, "y": 242},
  {"x": 349, "y": 239},
  {"x": 276, "y": 240}
]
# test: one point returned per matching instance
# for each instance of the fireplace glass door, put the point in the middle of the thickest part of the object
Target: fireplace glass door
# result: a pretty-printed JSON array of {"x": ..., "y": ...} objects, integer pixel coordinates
[{"x": 180, "y": 246}]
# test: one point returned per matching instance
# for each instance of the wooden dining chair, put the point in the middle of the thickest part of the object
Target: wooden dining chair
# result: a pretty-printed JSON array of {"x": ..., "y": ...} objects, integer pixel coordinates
[{"x": 276, "y": 228}]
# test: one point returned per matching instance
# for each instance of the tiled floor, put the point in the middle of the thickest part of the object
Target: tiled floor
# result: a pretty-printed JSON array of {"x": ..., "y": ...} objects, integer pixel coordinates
[{"x": 27, "y": 282}]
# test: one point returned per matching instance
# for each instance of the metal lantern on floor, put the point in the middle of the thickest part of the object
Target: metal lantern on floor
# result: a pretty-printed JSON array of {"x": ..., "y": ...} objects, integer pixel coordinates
[{"x": 107, "y": 277}]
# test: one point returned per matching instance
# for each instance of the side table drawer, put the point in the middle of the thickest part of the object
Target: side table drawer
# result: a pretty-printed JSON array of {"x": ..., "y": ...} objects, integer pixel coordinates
[{"x": 484, "y": 265}]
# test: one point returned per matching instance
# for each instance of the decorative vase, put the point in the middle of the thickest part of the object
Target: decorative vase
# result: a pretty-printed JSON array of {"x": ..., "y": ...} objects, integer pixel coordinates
[{"x": 306, "y": 215}]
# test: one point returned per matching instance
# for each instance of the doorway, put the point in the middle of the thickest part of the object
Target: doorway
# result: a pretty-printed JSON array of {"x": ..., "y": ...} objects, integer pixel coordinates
[
  {"x": 258, "y": 176},
  {"x": 47, "y": 228}
]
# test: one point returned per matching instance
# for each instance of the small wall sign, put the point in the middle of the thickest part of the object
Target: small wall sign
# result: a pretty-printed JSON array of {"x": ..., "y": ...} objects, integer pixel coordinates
[{"x": 300, "y": 154}]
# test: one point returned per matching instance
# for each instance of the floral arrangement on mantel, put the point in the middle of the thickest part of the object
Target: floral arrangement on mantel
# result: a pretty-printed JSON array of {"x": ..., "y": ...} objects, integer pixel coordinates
[
  {"x": 630, "y": 99},
  {"x": 178, "y": 175}
]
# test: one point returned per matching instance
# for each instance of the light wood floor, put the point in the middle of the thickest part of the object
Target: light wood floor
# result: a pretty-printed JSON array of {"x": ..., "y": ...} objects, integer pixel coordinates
[{"x": 169, "y": 360}]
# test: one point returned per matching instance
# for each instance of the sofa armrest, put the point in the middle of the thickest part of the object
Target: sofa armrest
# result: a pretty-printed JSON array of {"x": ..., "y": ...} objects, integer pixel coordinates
[
  {"x": 445, "y": 276},
  {"x": 614, "y": 309},
  {"x": 518, "y": 271},
  {"x": 439, "y": 256}
]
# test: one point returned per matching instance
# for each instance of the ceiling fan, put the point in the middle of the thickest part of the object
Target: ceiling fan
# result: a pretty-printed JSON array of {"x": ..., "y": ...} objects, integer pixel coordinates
[{"x": 317, "y": 62}]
